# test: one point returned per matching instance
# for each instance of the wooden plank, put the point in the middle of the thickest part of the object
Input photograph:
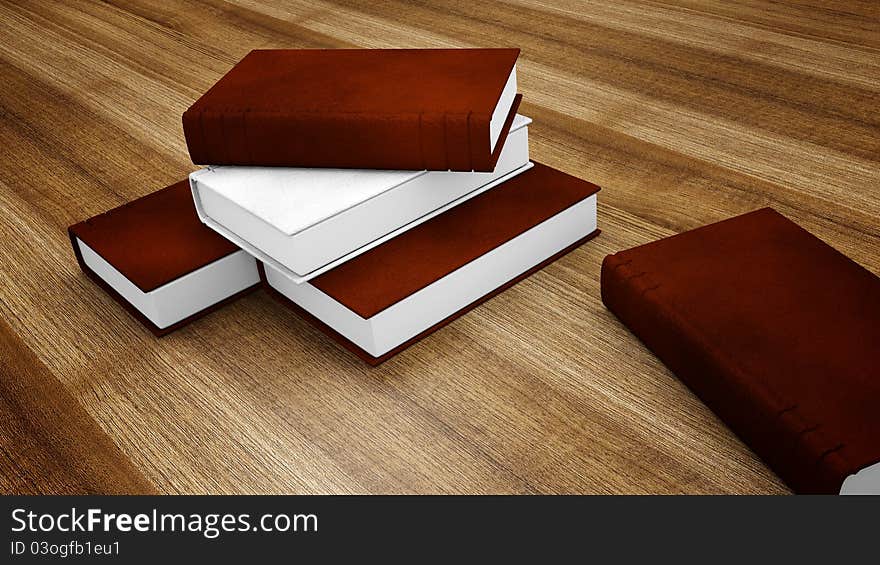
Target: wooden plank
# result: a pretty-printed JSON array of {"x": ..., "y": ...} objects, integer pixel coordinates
[
  {"x": 686, "y": 112},
  {"x": 48, "y": 443}
]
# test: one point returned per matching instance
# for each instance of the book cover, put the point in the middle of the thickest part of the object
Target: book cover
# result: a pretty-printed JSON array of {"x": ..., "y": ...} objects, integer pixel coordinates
[
  {"x": 410, "y": 109},
  {"x": 382, "y": 301},
  {"x": 155, "y": 258},
  {"x": 776, "y": 331}
]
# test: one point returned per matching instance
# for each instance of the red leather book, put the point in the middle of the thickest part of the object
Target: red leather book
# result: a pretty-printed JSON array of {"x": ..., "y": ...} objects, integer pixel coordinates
[
  {"x": 440, "y": 109},
  {"x": 382, "y": 301},
  {"x": 155, "y": 257},
  {"x": 774, "y": 330}
]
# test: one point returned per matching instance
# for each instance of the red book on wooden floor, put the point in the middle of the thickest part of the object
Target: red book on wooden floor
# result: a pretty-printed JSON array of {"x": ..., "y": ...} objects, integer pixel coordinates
[
  {"x": 774, "y": 330},
  {"x": 438, "y": 109},
  {"x": 382, "y": 301},
  {"x": 156, "y": 258}
]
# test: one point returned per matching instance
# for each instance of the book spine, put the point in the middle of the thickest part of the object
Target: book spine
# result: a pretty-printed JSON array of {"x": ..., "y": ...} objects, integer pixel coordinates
[
  {"x": 457, "y": 142},
  {"x": 192, "y": 133},
  {"x": 478, "y": 142},
  {"x": 797, "y": 449},
  {"x": 372, "y": 141}
]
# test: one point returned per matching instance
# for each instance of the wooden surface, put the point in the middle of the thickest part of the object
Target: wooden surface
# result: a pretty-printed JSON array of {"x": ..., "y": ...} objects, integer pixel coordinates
[{"x": 685, "y": 112}]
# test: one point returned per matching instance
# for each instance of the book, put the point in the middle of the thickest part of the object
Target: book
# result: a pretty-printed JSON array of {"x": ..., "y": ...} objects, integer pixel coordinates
[
  {"x": 413, "y": 109},
  {"x": 155, "y": 258},
  {"x": 776, "y": 331},
  {"x": 382, "y": 301},
  {"x": 303, "y": 222}
]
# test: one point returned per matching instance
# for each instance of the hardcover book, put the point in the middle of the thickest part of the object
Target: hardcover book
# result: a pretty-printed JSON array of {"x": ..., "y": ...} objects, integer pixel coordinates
[
  {"x": 382, "y": 301},
  {"x": 303, "y": 222},
  {"x": 157, "y": 259},
  {"x": 774, "y": 330},
  {"x": 414, "y": 109}
]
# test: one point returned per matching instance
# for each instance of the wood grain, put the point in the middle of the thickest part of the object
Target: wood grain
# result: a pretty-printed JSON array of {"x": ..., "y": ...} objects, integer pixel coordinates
[
  {"x": 48, "y": 443},
  {"x": 686, "y": 112}
]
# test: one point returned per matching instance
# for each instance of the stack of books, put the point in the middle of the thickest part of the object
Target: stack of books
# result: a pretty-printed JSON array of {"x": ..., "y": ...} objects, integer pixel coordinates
[
  {"x": 381, "y": 193},
  {"x": 378, "y": 193}
]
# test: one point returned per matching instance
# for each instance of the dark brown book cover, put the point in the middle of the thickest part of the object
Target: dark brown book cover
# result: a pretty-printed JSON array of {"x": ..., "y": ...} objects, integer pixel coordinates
[
  {"x": 354, "y": 108},
  {"x": 400, "y": 267},
  {"x": 152, "y": 241},
  {"x": 773, "y": 329}
]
